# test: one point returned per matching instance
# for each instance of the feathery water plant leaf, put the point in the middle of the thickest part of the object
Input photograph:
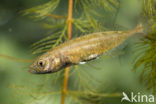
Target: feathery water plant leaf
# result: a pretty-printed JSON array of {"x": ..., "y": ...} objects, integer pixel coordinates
[
  {"x": 146, "y": 56},
  {"x": 49, "y": 42},
  {"x": 149, "y": 14},
  {"x": 86, "y": 23},
  {"x": 108, "y": 5},
  {"x": 82, "y": 25},
  {"x": 41, "y": 11}
]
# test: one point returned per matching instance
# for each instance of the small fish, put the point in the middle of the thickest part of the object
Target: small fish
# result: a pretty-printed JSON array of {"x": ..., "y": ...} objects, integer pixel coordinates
[{"x": 81, "y": 49}]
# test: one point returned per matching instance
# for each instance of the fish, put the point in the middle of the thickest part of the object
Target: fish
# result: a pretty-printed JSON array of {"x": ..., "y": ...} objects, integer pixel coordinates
[{"x": 80, "y": 50}]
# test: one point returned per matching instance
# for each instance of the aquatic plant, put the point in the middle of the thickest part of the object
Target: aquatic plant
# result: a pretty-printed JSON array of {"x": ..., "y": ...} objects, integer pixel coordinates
[{"x": 146, "y": 57}]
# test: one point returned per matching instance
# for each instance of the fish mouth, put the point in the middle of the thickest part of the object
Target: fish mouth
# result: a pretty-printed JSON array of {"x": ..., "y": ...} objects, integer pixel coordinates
[{"x": 33, "y": 71}]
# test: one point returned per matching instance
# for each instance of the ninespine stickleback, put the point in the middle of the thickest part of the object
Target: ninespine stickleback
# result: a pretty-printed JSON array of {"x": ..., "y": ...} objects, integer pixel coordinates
[{"x": 79, "y": 50}]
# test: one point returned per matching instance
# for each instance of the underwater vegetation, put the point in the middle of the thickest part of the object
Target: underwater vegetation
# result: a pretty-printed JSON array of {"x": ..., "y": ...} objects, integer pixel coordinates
[
  {"x": 100, "y": 80},
  {"x": 146, "y": 48}
]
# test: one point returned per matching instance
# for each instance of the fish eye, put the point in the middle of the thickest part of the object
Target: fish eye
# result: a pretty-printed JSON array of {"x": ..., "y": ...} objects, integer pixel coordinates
[{"x": 41, "y": 63}]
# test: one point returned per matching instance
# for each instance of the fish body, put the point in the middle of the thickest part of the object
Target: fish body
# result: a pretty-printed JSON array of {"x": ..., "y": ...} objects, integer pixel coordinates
[{"x": 78, "y": 50}]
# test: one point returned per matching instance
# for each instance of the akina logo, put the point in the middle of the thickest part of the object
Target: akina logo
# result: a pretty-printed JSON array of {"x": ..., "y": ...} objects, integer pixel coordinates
[{"x": 137, "y": 97}]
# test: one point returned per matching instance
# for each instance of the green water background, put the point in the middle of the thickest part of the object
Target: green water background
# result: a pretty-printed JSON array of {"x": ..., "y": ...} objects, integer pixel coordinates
[{"x": 18, "y": 32}]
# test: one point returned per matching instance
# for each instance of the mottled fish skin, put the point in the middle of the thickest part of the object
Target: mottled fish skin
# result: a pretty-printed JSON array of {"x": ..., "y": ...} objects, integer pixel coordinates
[{"x": 79, "y": 50}]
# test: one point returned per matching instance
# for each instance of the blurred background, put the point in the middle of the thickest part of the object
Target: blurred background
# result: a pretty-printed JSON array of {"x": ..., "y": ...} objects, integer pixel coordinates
[{"x": 18, "y": 32}]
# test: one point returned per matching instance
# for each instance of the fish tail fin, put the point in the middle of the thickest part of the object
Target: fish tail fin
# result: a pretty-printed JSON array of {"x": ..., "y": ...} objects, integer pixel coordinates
[{"x": 139, "y": 28}]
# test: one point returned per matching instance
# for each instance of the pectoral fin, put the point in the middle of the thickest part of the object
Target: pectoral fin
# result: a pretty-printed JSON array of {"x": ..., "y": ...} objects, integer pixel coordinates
[{"x": 82, "y": 62}]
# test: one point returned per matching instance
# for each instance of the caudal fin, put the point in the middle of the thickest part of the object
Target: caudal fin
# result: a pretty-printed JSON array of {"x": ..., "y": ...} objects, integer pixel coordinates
[{"x": 139, "y": 28}]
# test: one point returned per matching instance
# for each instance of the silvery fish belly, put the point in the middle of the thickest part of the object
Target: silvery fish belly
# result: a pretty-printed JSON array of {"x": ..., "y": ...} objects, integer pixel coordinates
[{"x": 79, "y": 50}]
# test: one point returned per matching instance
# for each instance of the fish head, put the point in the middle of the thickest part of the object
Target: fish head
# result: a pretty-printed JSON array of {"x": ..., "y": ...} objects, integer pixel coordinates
[{"x": 46, "y": 64}]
